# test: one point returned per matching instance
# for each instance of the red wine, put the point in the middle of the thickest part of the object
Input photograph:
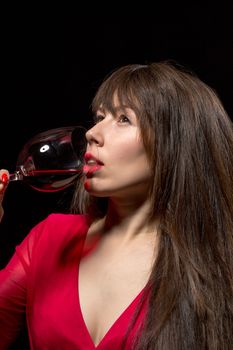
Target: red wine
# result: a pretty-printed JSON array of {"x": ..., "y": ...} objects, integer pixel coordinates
[{"x": 51, "y": 180}]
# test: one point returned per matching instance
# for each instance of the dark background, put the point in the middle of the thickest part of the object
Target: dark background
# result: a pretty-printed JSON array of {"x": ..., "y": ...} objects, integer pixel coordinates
[{"x": 53, "y": 63}]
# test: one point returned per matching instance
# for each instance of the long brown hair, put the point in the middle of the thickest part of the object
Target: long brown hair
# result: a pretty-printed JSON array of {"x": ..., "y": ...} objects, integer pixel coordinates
[{"x": 188, "y": 137}]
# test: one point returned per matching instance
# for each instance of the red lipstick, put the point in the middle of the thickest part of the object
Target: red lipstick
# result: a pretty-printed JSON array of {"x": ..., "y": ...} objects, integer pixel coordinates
[
  {"x": 90, "y": 157},
  {"x": 92, "y": 164}
]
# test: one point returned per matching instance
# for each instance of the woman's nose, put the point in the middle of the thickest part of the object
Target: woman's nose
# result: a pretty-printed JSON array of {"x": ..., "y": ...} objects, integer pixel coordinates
[{"x": 94, "y": 136}]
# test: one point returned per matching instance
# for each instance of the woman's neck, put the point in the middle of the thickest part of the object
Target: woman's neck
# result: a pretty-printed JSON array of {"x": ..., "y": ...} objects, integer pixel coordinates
[{"x": 129, "y": 218}]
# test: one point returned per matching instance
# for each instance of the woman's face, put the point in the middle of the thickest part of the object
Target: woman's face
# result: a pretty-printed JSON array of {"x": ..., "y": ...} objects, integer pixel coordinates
[{"x": 116, "y": 164}]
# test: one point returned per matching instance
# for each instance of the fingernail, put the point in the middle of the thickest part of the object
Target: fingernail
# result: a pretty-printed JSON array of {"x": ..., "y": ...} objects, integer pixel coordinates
[{"x": 4, "y": 178}]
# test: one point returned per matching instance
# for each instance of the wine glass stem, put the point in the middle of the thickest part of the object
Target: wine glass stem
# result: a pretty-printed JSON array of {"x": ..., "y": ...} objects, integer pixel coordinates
[{"x": 16, "y": 176}]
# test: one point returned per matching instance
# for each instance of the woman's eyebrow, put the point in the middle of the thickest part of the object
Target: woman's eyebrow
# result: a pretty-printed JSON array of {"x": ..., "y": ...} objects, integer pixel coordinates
[
  {"x": 99, "y": 110},
  {"x": 116, "y": 109}
]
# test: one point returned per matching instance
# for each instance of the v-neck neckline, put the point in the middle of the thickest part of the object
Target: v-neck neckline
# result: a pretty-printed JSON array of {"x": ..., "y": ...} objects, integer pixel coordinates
[
  {"x": 117, "y": 320},
  {"x": 114, "y": 324}
]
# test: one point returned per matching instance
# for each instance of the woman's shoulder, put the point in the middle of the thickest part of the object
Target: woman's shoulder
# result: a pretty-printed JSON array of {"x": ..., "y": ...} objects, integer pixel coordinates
[
  {"x": 57, "y": 228},
  {"x": 56, "y": 233},
  {"x": 59, "y": 219},
  {"x": 64, "y": 224}
]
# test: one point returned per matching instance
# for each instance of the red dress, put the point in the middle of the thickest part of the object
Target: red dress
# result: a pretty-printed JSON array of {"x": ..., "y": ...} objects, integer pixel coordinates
[{"x": 41, "y": 280}]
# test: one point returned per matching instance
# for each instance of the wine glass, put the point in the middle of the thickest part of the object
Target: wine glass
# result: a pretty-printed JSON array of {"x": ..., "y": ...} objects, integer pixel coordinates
[{"x": 51, "y": 160}]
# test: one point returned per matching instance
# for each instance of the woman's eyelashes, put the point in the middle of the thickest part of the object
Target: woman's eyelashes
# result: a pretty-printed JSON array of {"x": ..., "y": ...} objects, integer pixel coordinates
[
  {"x": 98, "y": 118},
  {"x": 122, "y": 119}
]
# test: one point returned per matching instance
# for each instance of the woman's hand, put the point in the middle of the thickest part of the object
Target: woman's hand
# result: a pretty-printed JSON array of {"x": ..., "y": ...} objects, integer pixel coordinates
[{"x": 4, "y": 179}]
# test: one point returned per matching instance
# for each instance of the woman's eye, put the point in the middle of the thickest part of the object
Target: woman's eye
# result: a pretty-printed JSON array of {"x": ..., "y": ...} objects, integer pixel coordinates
[
  {"x": 98, "y": 118},
  {"x": 123, "y": 119}
]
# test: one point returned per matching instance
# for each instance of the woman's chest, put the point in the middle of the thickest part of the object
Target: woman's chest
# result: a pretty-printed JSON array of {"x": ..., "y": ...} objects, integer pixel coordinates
[{"x": 109, "y": 283}]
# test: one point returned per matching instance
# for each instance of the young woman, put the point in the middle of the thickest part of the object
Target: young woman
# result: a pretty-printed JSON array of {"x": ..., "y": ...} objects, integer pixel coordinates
[{"x": 145, "y": 260}]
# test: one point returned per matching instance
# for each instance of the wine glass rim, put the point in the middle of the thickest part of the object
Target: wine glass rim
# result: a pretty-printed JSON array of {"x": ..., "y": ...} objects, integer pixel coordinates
[{"x": 49, "y": 132}]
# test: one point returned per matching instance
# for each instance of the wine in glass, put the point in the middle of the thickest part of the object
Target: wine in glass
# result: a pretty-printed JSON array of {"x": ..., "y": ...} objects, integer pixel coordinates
[{"x": 52, "y": 160}]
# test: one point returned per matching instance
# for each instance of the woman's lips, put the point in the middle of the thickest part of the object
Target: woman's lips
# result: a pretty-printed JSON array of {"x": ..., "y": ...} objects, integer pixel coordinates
[
  {"x": 90, "y": 169},
  {"x": 90, "y": 158},
  {"x": 92, "y": 165}
]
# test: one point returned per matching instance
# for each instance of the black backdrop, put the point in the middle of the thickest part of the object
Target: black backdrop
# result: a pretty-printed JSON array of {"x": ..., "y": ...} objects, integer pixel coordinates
[{"x": 52, "y": 65}]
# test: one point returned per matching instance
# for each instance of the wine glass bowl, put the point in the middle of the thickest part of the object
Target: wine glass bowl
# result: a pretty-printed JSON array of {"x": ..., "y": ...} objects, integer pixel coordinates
[{"x": 52, "y": 160}]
